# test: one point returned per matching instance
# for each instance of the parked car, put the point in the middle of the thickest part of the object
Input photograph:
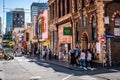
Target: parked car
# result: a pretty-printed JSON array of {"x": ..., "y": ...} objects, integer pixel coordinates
[
  {"x": 1, "y": 53},
  {"x": 18, "y": 54},
  {"x": 8, "y": 54}
]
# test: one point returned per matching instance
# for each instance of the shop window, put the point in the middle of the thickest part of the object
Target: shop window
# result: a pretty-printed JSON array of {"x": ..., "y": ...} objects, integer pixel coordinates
[
  {"x": 117, "y": 25},
  {"x": 94, "y": 26}
]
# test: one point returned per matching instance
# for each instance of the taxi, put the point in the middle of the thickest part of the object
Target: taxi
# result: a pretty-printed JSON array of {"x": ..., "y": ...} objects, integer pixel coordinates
[{"x": 1, "y": 53}]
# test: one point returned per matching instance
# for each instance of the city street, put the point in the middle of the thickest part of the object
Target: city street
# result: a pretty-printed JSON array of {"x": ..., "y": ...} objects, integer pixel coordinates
[{"x": 22, "y": 68}]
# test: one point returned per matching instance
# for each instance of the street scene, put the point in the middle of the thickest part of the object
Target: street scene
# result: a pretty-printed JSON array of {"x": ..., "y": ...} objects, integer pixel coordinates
[
  {"x": 22, "y": 68},
  {"x": 60, "y": 40}
]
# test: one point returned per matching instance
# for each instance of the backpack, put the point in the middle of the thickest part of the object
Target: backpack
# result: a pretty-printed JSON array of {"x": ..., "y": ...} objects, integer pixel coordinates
[{"x": 77, "y": 52}]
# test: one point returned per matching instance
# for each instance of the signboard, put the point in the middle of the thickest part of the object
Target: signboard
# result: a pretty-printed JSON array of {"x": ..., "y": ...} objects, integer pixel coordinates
[
  {"x": 109, "y": 36},
  {"x": 42, "y": 22},
  {"x": 10, "y": 43},
  {"x": 98, "y": 47},
  {"x": 67, "y": 31},
  {"x": 47, "y": 42},
  {"x": 102, "y": 39},
  {"x": 106, "y": 20}
]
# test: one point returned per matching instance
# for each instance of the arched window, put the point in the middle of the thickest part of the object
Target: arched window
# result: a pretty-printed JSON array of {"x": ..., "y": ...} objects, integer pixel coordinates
[
  {"x": 94, "y": 27},
  {"x": 117, "y": 25}
]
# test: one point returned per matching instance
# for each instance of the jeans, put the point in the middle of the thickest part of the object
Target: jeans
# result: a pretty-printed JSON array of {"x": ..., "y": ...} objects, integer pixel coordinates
[{"x": 82, "y": 63}]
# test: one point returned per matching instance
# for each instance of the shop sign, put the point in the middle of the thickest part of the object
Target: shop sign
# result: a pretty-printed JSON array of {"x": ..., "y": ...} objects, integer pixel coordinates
[
  {"x": 47, "y": 42},
  {"x": 10, "y": 43},
  {"x": 65, "y": 40},
  {"x": 67, "y": 31}
]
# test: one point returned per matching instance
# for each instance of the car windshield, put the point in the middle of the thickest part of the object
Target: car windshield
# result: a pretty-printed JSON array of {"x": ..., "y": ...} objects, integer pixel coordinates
[{"x": 8, "y": 51}]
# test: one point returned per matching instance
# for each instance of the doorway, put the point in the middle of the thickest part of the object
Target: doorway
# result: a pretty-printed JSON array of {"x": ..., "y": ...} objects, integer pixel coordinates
[{"x": 84, "y": 41}]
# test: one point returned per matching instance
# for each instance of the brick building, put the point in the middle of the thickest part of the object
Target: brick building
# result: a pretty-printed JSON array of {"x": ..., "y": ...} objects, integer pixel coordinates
[{"x": 89, "y": 21}]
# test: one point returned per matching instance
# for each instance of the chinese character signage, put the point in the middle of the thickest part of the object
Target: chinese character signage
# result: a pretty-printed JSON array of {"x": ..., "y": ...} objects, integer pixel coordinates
[{"x": 67, "y": 31}]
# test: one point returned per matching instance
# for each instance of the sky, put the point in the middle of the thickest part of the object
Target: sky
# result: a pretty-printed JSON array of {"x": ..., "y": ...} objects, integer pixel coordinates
[{"x": 12, "y": 4}]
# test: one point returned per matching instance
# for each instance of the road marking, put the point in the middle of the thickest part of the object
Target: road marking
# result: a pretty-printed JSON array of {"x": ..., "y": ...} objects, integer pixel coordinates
[
  {"x": 35, "y": 78},
  {"x": 113, "y": 70},
  {"x": 67, "y": 77},
  {"x": 86, "y": 77}
]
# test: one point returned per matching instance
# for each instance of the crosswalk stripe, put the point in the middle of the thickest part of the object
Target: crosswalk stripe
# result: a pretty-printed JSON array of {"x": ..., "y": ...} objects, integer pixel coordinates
[{"x": 86, "y": 77}]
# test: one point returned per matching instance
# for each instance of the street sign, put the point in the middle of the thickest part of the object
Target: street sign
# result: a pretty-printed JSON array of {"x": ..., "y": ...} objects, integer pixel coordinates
[
  {"x": 109, "y": 36},
  {"x": 10, "y": 43},
  {"x": 102, "y": 39}
]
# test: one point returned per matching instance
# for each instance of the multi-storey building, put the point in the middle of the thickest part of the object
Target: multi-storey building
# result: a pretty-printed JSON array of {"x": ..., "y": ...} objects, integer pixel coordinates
[
  {"x": 36, "y": 7},
  {"x": 18, "y": 17},
  {"x": 0, "y": 25},
  {"x": 8, "y": 21},
  {"x": 90, "y": 21}
]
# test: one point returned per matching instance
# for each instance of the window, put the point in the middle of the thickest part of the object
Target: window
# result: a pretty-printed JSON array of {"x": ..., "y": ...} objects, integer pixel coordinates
[
  {"x": 63, "y": 7},
  {"x": 17, "y": 15},
  {"x": 94, "y": 26},
  {"x": 117, "y": 25},
  {"x": 77, "y": 32},
  {"x": 59, "y": 8},
  {"x": 68, "y": 6},
  {"x": 75, "y": 5},
  {"x": 91, "y": 1}
]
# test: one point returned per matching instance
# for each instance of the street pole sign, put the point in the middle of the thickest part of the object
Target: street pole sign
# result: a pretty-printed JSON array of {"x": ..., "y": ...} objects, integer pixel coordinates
[
  {"x": 102, "y": 39},
  {"x": 109, "y": 36}
]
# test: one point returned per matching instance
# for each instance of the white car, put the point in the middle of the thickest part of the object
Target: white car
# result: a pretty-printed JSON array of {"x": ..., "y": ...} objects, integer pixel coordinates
[{"x": 18, "y": 54}]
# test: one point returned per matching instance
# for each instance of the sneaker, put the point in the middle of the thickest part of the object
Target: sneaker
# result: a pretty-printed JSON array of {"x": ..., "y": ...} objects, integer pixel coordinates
[
  {"x": 85, "y": 68},
  {"x": 80, "y": 67},
  {"x": 92, "y": 69}
]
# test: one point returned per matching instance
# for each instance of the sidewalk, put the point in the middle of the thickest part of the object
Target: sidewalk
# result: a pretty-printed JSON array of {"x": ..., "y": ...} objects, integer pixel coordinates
[
  {"x": 57, "y": 62},
  {"x": 1, "y": 69}
]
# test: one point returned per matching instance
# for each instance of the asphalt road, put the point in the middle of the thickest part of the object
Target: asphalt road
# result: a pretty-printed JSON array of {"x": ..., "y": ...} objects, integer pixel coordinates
[{"x": 22, "y": 68}]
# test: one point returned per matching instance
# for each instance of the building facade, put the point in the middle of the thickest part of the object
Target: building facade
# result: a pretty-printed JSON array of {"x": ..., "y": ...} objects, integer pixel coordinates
[
  {"x": 59, "y": 20},
  {"x": 0, "y": 25},
  {"x": 18, "y": 18},
  {"x": 36, "y": 7},
  {"x": 90, "y": 22},
  {"x": 8, "y": 21}
]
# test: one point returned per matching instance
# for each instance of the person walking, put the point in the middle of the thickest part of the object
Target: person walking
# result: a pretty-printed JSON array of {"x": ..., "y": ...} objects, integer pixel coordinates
[
  {"x": 89, "y": 60},
  {"x": 83, "y": 60},
  {"x": 72, "y": 58},
  {"x": 77, "y": 55}
]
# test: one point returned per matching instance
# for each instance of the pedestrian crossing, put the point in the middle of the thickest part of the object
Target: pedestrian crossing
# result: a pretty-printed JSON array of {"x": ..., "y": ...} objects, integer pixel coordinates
[{"x": 87, "y": 77}]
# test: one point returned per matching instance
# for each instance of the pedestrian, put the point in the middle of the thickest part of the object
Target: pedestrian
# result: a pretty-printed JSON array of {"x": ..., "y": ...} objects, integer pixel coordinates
[
  {"x": 72, "y": 59},
  {"x": 49, "y": 54},
  {"x": 89, "y": 60},
  {"x": 83, "y": 60},
  {"x": 77, "y": 55},
  {"x": 61, "y": 55}
]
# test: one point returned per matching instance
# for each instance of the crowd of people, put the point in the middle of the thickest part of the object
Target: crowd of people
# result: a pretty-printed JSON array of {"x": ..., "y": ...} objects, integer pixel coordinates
[
  {"x": 83, "y": 58},
  {"x": 75, "y": 57}
]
